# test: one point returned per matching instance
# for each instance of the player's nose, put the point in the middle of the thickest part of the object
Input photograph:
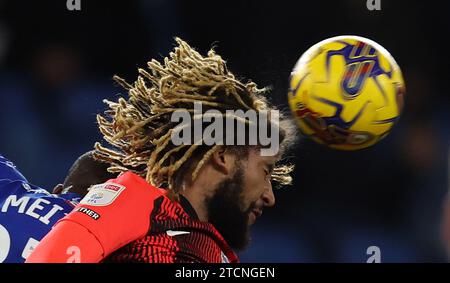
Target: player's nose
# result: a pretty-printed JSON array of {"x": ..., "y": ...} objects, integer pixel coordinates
[{"x": 268, "y": 196}]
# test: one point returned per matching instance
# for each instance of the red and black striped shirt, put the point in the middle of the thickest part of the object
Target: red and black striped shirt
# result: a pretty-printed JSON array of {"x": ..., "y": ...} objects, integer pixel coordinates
[{"x": 175, "y": 235}]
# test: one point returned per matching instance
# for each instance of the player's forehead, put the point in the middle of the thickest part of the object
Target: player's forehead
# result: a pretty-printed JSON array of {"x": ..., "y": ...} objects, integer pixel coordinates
[{"x": 256, "y": 156}]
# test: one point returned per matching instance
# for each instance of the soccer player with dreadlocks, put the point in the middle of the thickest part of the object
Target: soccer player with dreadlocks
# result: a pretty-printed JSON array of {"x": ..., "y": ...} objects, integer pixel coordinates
[{"x": 173, "y": 202}]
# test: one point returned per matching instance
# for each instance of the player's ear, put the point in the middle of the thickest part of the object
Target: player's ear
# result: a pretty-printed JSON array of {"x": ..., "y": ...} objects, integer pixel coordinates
[
  {"x": 223, "y": 160},
  {"x": 58, "y": 189}
]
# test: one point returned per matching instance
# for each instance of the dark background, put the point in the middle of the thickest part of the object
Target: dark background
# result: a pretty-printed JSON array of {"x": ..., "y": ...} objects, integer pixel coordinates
[{"x": 56, "y": 67}]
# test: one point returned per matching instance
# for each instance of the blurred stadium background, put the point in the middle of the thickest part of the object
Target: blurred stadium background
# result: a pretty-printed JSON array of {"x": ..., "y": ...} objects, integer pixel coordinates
[{"x": 56, "y": 67}]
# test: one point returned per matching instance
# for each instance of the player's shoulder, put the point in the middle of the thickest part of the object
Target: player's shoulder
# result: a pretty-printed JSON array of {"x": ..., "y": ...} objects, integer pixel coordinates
[
  {"x": 128, "y": 190},
  {"x": 130, "y": 180},
  {"x": 18, "y": 189},
  {"x": 9, "y": 171}
]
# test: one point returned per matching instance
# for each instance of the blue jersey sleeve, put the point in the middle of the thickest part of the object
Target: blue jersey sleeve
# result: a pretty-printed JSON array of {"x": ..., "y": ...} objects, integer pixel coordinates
[{"x": 9, "y": 171}]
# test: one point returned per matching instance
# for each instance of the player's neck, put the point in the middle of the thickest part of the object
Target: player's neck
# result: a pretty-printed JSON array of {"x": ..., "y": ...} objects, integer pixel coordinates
[
  {"x": 197, "y": 191},
  {"x": 197, "y": 203}
]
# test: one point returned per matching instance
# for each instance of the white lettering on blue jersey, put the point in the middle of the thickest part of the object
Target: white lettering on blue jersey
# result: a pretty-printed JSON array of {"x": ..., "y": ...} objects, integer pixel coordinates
[{"x": 27, "y": 213}]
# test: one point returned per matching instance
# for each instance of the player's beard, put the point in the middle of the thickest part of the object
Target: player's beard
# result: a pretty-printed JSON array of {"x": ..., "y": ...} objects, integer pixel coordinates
[{"x": 225, "y": 212}]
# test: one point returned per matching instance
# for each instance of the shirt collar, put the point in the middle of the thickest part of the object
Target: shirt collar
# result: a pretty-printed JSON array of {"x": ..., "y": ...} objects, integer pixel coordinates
[{"x": 186, "y": 205}]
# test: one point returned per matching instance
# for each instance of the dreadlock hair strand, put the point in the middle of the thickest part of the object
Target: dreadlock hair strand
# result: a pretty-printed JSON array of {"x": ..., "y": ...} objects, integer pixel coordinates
[{"x": 138, "y": 128}]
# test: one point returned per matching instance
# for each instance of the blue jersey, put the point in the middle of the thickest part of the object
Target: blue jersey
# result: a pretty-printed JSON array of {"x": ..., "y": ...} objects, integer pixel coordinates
[
  {"x": 8, "y": 171},
  {"x": 27, "y": 213}
]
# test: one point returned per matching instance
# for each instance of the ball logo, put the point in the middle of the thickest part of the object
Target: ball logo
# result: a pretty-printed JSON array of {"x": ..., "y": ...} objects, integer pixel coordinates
[
  {"x": 355, "y": 76},
  {"x": 362, "y": 63}
]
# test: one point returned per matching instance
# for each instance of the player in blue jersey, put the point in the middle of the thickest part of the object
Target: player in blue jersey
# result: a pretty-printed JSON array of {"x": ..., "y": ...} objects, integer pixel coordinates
[
  {"x": 27, "y": 212},
  {"x": 8, "y": 171}
]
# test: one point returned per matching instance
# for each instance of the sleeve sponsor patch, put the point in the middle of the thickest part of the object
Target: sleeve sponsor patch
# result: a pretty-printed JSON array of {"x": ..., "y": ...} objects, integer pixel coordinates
[
  {"x": 102, "y": 194},
  {"x": 89, "y": 212}
]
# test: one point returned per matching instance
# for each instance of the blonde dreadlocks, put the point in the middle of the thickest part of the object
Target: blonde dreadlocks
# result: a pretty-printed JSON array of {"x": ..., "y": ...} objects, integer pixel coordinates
[{"x": 139, "y": 129}]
